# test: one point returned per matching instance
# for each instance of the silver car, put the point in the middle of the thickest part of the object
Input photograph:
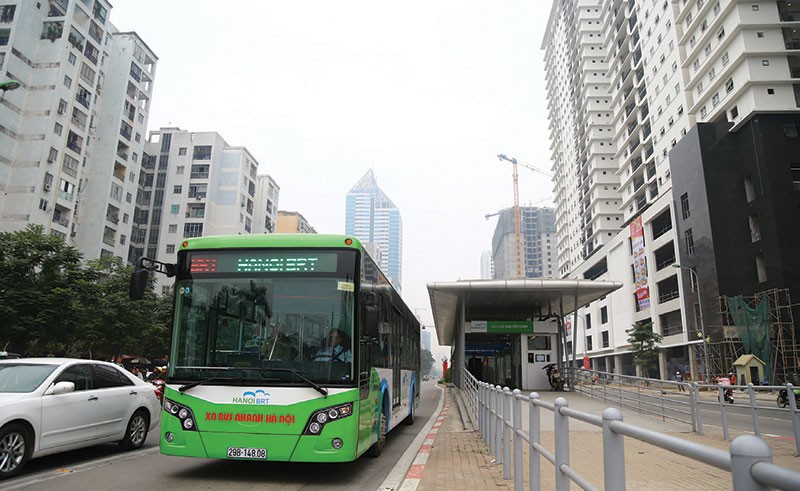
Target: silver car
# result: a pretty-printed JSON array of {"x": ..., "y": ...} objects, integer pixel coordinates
[{"x": 51, "y": 405}]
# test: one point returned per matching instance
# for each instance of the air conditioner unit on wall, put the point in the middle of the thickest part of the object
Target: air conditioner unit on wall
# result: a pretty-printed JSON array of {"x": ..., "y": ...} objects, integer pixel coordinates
[{"x": 47, "y": 187}]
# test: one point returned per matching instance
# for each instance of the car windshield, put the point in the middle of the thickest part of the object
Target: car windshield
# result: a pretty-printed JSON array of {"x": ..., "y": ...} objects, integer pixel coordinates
[
  {"x": 286, "y": 331},
  {"x": 23, "y": 377}
]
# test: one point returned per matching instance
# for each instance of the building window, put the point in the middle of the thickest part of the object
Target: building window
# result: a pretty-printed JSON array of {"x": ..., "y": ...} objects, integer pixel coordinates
[
  {"x": 202, "y": 152},
  {"x": 173, "y": 228},
  {"x": 771, "y": 91},
  {"x": 715, "y": 99},
  {"x": 603, "y": 315},
  {"x": 761, "y": 268},
  {"x": 755, "y": 229},
  {"x": 72, "y": 58},
  {"x": 67, "y": 82},
  {"x": 604, "y": 335},
  {"x": 179, "y": 169},
  {"x": 764, "y": 62},
  {"x": 687, "y": 237},
  {"x": 182, "y": 151},
  {"x": 760, "y": 34},
  {"x": 57, "y": 129},
  {"x": 721, "y": 33},
  {"x": 175, "y": 209},
  {"x": 729, "y": 85},
  {"x": 171, "y": 249},
  {"x": 755, "y": 8},
  {"x": 685, "y": 206},
  {"x": 193, "y": 230},
  {"x": 177, "y": 189},
  {"x": 725, "y": 58},
  {"x": 703, "y": 112},
  {"x": 734, "y": 112}
]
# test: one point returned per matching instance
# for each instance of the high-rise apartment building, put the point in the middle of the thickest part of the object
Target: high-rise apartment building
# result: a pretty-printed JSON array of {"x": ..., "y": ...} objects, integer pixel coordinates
[
  {"x": 373, "y": 218},
  {"x": 537, "y": 247},
  {"x": 195, "y": 184},
  {"x": 626, "y": 82},
  {"x": 292, "y": 222},
  {"x": 72, "y": 133}
]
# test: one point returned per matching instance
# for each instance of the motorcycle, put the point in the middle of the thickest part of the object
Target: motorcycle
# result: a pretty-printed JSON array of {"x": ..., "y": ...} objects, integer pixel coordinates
[
  {"x": 554, "y": 377},
  {"x": 728, "y": 396},
  {"x": 783, "y": 398}
]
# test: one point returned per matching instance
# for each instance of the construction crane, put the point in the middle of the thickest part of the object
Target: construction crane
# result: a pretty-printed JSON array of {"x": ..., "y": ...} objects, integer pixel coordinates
[{"x": 517, "y": 217}]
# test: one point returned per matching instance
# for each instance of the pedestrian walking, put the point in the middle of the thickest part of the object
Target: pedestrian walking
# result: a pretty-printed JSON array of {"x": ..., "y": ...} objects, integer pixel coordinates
[{"x": 679, "y": 379}]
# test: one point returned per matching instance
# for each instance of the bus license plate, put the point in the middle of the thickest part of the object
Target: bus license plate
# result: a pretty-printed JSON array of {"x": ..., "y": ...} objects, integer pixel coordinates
[{"x": 247, "y": 453}]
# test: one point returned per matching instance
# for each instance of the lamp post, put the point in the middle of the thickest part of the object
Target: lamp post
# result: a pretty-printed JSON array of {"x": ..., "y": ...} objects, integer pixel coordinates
[
  {"x": 8, "y": 85},
  {"x": 692, "y": 272}
]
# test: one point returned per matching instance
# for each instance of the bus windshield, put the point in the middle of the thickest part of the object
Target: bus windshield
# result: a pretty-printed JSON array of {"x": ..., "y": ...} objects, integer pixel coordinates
[{"x": 282, "y": 328}]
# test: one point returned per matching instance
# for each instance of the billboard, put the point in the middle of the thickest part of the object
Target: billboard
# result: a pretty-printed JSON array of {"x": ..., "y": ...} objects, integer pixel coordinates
[{"x": 639, "y": 264}]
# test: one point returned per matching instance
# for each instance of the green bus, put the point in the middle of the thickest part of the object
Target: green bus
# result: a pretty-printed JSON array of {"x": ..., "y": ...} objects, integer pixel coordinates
[{"x": 285, "y": 347}]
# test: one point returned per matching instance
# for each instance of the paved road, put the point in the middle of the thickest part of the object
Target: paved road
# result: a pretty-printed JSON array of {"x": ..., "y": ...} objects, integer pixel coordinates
[{"x": 106, "y": 467}]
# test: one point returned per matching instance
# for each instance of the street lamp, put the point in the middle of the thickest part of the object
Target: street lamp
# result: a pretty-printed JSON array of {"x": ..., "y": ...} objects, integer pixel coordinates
[
  {"x": 8, "y": 85},
  {"x": 692, "y": 272}
]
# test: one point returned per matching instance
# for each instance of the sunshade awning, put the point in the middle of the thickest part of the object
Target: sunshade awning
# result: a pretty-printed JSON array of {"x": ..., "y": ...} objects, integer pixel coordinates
[{"x": 513, "y": 299}]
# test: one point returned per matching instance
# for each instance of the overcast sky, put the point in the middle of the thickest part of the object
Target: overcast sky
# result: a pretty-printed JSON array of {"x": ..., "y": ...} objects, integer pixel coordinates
[{"x": 425, "y": 93}]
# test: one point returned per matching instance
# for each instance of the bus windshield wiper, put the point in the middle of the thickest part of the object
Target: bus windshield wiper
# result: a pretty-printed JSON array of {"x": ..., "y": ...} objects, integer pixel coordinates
[
  {"x": 321, "y": 390},
  {"x": 185, "y": 387}
]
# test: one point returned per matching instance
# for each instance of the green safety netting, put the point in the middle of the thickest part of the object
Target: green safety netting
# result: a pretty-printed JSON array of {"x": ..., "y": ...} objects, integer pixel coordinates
[{"x": 752, "y": 325}]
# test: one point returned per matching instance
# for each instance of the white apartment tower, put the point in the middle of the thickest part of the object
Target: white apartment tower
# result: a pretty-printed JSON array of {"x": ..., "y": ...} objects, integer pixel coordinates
[
  {"x": 69, "y": 132},
  {"x": 626, "y": 82},
  {"x": 195, "y": 184}
]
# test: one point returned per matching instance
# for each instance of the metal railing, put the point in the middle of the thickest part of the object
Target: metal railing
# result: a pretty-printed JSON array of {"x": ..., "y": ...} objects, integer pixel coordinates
[
  {"x": 685, "y": 402},
  {"x": 499, "y": 413}
]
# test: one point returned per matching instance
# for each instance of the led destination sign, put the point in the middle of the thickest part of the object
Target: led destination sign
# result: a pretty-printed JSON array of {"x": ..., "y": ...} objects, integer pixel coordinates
[{"x": 263, "y": 262}]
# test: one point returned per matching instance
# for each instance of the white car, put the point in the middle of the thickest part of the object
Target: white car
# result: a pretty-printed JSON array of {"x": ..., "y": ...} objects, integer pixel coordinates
[{"x": 51, "y": 405}]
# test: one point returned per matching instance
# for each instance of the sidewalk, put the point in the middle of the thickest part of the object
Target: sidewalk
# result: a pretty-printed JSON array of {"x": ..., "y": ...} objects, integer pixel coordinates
[{"x": 454, "y": 457}]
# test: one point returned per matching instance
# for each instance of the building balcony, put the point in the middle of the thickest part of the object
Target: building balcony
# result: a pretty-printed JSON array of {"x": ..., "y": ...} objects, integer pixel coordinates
[
  {"x": 57, "y": 218},
  {"x": 108, "y": 239},
  {"x": 74, "y": 146}
]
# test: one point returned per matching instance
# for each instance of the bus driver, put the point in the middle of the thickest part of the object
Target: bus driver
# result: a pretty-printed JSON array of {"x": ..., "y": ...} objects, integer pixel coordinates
[{"x": 333, "y": 350}]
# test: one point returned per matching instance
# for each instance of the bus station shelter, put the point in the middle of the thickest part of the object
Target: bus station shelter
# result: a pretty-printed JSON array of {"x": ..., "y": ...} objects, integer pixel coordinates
[{"x": 507, "y": 331}]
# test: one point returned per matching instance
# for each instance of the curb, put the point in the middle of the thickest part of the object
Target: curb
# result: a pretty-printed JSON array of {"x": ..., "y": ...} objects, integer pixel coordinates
[
  {"x": 414, "y": 474},
  {"x": 397, "y": 477}
]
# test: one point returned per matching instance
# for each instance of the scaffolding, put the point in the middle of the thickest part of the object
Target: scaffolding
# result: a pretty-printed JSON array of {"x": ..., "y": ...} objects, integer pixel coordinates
[{"x": 783, "y": 342}]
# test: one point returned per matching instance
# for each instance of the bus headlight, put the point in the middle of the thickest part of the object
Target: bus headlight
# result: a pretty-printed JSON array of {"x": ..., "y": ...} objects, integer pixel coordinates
[
  {"x": 323, "y": 416},
  {"x": 183, "y": 413}
]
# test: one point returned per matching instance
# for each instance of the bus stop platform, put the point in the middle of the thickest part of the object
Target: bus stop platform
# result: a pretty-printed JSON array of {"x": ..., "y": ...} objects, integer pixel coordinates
[{"x": 452, "y": 455}]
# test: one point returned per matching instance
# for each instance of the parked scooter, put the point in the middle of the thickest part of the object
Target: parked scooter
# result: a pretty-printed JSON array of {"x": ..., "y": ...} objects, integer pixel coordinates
[
  {"x": 783, "y": 398},
  {"x": 554, "y": 376}
]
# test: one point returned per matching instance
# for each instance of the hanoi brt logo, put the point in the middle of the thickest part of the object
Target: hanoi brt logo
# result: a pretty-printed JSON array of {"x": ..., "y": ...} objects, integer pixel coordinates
[{"x": 257, "y": 396}]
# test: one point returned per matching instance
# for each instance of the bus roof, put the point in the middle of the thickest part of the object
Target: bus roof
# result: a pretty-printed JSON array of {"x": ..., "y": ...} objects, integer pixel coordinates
[{"x": 255, "y": 241}]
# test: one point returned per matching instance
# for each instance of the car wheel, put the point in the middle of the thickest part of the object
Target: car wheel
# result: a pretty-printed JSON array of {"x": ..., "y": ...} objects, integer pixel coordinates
[
  {"x": 376, "y": 449},
  {"x": 136, "y": 431},
  {"x": 15, "y": 448}
]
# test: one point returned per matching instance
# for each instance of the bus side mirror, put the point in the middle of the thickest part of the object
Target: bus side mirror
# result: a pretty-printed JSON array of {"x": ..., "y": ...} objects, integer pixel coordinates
[{"x": 138, "y": 283}]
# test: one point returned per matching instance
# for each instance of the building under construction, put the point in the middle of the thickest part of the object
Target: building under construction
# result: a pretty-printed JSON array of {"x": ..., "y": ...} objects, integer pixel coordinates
[{"x": 537, "y": 235}]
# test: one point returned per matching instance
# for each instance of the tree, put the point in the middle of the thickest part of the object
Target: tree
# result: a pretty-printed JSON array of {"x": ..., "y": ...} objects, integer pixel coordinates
[
  {"x": 644, "y": 346},
  {"x": 40, "y": 279},
  {"x": 426, "y": 361}
]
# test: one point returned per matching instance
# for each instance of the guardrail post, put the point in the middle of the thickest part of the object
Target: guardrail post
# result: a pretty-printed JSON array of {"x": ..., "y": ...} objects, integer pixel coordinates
[
  {"x": 506, "y": 433},
  {"x": 480, "y": 411},
  {"x": 723, "y": 411},
  {"x": 561, "y": 427},
  {"x": 746, "y": 450},
  {"x": 795, "y": 418},
  {"x": 699, "y": 408},
  {"x": 754, "y": 410},
  {"x": 613, "y": 451},
  {"x": 492, "y": 419},
  {"x": 534, "y": 436},
  {"x": 498, "y": 425},
  {"x": 692, "y": 407},
  {"x": 517, "y": 410}
]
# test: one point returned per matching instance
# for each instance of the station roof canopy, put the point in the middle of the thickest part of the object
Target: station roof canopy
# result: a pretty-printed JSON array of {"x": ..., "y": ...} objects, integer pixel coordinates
[{"x": 515, "y": 299}]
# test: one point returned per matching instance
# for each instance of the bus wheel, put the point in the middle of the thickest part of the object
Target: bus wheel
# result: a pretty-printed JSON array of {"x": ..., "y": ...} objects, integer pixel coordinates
[
  {"x": 376, "y": 449},
  {"x": 410, "y": 418}
]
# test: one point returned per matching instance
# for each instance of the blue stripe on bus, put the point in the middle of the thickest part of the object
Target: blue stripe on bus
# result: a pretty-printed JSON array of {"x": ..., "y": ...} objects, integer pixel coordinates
[{"x": 385, "y": 394}]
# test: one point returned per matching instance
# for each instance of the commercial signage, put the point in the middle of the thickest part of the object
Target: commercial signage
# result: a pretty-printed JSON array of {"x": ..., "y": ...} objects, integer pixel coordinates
[
  {"x": 639, "y": 265},
  {"x": 504, "y": 327}
]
